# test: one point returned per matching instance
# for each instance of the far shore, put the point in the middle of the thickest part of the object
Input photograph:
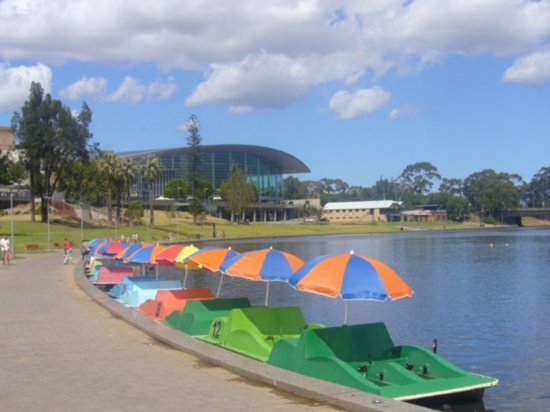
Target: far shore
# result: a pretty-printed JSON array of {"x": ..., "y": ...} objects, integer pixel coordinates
[{"x": 178, "y": 227}]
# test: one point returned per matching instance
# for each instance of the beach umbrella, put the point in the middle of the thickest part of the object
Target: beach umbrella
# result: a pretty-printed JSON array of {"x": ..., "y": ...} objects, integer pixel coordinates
[
  {"x": 350, "y": 276},
  {"x": 130, "y": 249},
  {"x": 113, "y": 248},
  {"x": 211, "y": 258},
  {"x": 145, "y": 256},
  {"x": 94, "y": 242},
  {"x": 180, "y": 262},
  {"x": 168, "y": 256},
  {"x": 95, "y": 250},
  {"x": 174, "y": 255},
  {"x": 264, "y": 264}
]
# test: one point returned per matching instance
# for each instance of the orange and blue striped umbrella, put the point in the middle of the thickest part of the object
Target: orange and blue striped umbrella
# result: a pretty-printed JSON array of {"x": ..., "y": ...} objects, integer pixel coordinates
[
  {"x": 212, "y": 258},
  {"x": 265, "y": 264},
  {"x": 350, "y": 276},
  {"x": 145, "y": 256},
  {"x": 134, "y": 247}
]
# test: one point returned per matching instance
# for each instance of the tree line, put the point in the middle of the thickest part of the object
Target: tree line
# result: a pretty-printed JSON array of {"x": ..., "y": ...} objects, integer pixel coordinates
[{"x": 486, "y": 192}]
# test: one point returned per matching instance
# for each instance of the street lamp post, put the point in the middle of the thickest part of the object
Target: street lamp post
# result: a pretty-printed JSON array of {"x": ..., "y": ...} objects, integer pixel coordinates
[
  {"x": 11, "y": 225},
  {"x": 81, "y": 221},
  {"x": 47, "y": 199}
]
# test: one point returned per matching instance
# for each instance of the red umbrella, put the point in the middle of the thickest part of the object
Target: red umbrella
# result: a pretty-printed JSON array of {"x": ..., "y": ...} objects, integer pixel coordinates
[
  {"x": 114, "y": 247},
  {"x": 168, "y": 256}
]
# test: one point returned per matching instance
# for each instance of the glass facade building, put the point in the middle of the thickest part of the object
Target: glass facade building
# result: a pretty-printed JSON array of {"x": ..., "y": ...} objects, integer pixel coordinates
[{"x": 264, "y": 166}]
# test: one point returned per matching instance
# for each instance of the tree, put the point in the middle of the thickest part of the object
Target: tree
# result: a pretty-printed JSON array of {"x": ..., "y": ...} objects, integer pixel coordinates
[
  {"x": 50, "y": 136},
  {"x": 194, "y": 169},
  {"x": 10, "y": 171},
  {"x": 293, "y": 188},
  {"x": 453, "y": 186},
  {"x": 419, "y": 177},
  {"x": 134, "y": 212},
  {"x": 125, "y": 173},
  {"x": 457, "y": 207},
  {"x": 107, "y": 164},
  {"x": 540, "y": 187},
  {"x": 152, "y": 166},
  {"x": 176, "y": 189},
  {"x": 83, "y": 182},
  {"x": 238, "y": 192},
  {"x": 490, "y": 192},
  {"x": 385, "y": 189}
]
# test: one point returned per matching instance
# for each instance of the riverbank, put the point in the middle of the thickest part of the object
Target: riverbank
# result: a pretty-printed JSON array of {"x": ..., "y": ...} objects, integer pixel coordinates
[{"x": 179, "y": 227}]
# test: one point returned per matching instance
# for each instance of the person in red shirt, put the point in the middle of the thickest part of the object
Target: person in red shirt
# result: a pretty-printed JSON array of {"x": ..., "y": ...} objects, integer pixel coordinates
[{"x": 68, "y": 250}]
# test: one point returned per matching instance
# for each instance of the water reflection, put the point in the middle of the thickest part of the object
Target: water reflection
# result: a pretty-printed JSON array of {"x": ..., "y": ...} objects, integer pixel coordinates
[{"x": 483, "y": 294}]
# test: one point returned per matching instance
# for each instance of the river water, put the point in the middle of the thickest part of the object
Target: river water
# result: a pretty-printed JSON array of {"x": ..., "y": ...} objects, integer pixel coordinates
[{"x": 483, "y": 294}]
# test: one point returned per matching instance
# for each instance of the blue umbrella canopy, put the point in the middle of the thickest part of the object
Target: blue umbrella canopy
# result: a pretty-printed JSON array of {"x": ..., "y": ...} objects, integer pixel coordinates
[{"x": 264, "y": 264}]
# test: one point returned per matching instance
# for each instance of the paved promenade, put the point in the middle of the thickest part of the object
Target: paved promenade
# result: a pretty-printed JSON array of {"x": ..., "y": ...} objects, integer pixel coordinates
[{"x": 62, "y": 351}]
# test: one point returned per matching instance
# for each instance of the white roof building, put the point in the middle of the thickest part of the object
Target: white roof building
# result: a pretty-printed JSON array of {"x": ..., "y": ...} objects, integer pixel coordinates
[
  {"x": 363, "y": 211},
  {"x": 362, "y": 205}
]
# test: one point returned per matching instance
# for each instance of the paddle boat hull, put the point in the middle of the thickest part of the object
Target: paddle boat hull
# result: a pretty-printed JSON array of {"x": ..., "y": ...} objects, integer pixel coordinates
[
  {"x": 254, "y": 331},
  {"x": 364, "y": 357},
  {"x": 198, "y": 315}
]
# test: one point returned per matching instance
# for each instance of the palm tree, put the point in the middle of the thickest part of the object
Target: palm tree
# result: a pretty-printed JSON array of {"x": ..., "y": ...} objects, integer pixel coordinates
[
  {"x": 152, "y": 166},
  {"x": 126, "y": 171},
  {"x": 107, "y": 163}
]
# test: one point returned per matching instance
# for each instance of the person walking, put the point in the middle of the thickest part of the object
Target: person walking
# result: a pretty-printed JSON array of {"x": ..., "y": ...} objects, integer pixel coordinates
[
  {"x": 68, "y": 250},
  {"x": 5, "y": 250}
]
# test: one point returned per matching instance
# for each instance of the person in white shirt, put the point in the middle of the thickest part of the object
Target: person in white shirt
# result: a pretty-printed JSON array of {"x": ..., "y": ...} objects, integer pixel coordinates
[{"x": 5, "y": 250}]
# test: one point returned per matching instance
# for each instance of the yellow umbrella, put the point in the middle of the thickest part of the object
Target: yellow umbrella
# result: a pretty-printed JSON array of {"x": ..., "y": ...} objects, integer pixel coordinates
[{"x": 180, "y": 261}]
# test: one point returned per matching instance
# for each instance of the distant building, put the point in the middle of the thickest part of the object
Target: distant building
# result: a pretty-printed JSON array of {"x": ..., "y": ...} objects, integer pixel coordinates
[
  {"x": 425, "y": 213},
  {"x": 363, "y": 211},
  {"x": 7, "y": 140},
  {"x": 264, "y": 166}
]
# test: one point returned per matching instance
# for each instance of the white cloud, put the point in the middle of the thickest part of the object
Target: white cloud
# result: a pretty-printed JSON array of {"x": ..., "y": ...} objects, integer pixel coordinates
[
  {"x": 134, "y": 91},
  {"x": 258, "y": 81},
  {"x": 160, "y": 89},
  {"x": 15, "y": 84},
  {"x": 93, "y": 87},
  {"x": 346, "y": 105},
  {"x": 404, "y": 111},
  {"x": 129, "y": 91},
  {"x": 250, "y": 54},
  {"x": 532, "y": 70}
]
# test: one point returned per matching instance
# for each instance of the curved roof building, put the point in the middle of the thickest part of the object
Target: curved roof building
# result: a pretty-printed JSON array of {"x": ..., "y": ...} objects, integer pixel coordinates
[{"x": 265, "y": 166}]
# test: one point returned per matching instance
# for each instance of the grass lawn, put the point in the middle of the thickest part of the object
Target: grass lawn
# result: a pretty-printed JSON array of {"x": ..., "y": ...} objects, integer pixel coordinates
[{"x": 179, "y": 228}]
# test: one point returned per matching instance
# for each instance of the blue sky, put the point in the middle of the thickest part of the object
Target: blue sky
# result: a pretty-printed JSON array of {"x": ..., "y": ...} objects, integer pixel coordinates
[{"x": 355, "y": 89}]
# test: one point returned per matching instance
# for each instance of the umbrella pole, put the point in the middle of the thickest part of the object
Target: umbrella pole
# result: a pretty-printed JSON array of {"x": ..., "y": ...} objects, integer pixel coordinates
[
  {"x": 266, "y": 294},
  {"x": 219, "y": 286},
  {"x": 185, "y": 277},
  {"x": 345, "y": 312},
  {"x": 157, "y": 271}
]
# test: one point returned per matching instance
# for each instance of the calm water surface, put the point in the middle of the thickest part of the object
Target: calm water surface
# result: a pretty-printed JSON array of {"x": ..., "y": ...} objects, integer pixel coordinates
[{"x": 483, "y": 294}]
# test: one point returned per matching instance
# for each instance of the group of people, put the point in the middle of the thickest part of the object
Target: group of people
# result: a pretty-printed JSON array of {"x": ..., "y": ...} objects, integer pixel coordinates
[{"x": 5, "y": 250}]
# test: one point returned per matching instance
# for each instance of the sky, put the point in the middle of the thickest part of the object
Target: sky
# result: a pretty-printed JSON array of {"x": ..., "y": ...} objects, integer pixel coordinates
[{"x": 355, "y": 89}]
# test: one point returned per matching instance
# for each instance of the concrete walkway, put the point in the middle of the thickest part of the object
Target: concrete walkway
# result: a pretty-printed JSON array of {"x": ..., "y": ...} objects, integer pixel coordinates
[{"x": 60, "y": 351}]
